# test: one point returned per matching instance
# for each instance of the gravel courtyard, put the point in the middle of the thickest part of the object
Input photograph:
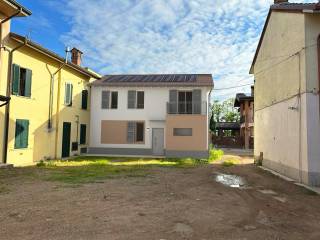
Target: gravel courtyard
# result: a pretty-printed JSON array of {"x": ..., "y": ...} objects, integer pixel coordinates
[{"x": 167, "y": 203}]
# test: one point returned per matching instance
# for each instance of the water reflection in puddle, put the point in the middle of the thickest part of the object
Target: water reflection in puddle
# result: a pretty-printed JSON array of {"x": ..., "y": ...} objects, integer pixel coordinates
[{"x": 230, "y": 180}]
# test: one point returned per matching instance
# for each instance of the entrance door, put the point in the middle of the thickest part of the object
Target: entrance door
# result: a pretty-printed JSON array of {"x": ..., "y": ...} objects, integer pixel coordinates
[
  {"x": 158, "y": 141},
  {"x": 66, "y": 139}
]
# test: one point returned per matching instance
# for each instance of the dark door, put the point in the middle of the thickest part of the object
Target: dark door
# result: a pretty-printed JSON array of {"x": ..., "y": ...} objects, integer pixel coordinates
[{"x": 66, "y": 139}]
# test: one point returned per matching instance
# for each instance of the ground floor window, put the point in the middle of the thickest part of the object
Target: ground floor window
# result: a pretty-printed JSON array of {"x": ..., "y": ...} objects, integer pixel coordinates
[
  {"x": 135, "y": 132},
  {"x": 21, "y": 134},
  {"x": 182, "y": 132},
  {"x": 83, "y": 133}
]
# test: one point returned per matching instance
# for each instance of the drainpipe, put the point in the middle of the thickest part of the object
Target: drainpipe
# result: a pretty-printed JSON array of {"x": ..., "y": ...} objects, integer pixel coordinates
[
  {"x": 7, "y": 109},
  {"x": 318, "y": 47},
  {"x": 52, "y": 76}
]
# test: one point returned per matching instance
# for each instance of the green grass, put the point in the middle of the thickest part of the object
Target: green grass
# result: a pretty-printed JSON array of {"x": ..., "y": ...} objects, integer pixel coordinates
[
  {"x": 230, "y": 162},
  {"x": 93, "y": 169}
]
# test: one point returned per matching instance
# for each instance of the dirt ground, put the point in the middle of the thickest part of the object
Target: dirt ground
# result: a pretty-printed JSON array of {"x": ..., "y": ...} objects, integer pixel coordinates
[{"x": 166, "y": 204}]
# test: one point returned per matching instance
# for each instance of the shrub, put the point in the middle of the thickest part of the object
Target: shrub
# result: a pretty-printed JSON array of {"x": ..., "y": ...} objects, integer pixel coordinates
[{"x": 215, "y": 155}]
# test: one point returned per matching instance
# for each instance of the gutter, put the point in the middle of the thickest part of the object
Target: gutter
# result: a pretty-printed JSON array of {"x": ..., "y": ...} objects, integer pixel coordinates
[{"x": 7, "y": 109}]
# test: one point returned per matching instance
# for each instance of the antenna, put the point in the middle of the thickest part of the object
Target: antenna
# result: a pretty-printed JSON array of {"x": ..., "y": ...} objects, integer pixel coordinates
[{"x": 68, "y": 50}]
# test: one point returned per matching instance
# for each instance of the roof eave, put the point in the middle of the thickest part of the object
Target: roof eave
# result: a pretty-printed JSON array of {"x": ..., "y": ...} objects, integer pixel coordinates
[
  {"x": 24, "y": 12},
  {"x": 52, "y": 55}
]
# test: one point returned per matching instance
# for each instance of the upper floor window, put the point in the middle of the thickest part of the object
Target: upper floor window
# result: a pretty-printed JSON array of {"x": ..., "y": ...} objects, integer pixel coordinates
[
  {"x": 109, "y": 100},
  {"x": 84, "y": 103},
  {"x": 68, "y": 94},
  {"x": 135, "y": 99},
  {"x": 186, "y": 102},
  {"x": 21, "y": 81}
]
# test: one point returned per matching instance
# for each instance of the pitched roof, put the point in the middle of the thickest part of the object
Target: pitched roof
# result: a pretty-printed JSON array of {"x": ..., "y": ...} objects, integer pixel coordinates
[
  {"x": 228, "y": 126},
  {"x": 241, "y": 97},
  {"x": 52, "y": 55},
  {"x": 12, "y": 7},
  {"x": 284, "y": 7},
  {"x": 156, "y": 80}
]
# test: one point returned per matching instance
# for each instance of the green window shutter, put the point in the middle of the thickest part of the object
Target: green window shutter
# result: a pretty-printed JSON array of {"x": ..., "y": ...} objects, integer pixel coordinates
[
  {"x": 28, "y": 83},
  {"x": 21, "y": 134},
  {"x": 105, "y": 99},
  {"x": 15, "y": 79},
  {"x": 84, "y": 99},
  {"x": 83, "y": 133},
  {"x": 132, "y": 99}
]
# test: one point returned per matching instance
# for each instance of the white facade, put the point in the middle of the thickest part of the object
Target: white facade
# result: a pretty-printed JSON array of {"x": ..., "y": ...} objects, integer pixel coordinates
[{"x": 154, "y": 113}]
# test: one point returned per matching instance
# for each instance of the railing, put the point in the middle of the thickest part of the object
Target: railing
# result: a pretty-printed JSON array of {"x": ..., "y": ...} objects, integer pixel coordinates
[{"x": 199, "y": 108}]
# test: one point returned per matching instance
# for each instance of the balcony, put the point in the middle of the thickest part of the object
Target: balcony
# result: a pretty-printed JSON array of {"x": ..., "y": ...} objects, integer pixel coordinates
[{"x": 191, "y": 108}]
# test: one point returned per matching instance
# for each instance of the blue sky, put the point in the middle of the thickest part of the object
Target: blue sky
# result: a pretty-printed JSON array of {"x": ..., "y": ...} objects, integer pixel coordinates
[{"x": 154, "y": 36}]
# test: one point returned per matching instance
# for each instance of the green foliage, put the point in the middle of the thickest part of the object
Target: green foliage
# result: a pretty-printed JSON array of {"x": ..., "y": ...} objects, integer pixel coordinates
[
  {"x": 223, "y": 112},
  {"x": 215, "y": 155},
  {"x": 230, "y": 162}
]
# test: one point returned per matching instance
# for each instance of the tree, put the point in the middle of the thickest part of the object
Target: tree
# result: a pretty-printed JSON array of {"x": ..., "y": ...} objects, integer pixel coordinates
[{"x": 223, "y": 112}]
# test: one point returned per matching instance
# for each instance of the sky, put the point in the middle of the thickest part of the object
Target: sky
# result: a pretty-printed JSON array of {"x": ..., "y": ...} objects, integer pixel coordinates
[{"x": 218, "y": 37}]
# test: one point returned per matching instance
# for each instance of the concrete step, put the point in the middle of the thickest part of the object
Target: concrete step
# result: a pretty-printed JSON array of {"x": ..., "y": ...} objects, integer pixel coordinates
[{"x": 3, "y": 165}]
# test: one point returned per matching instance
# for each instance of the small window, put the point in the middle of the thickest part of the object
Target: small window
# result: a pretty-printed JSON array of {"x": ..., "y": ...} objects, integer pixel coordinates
[
  {"x": 140, "y": 132},
  {"x": 135, "y": 132},
  {"x": 21, "y": 81},
  {"x": 68, "y": 94},
  {"x": 83, "y": 134},
  {"x": 140, "y": 100},
  {"x": 182, "y": 132},
  {"x": 114, "y": 100},
  {"x": 109, "y": 100},
  {"x": 21, "y": 134},
  {"x": 84, "y": 104},
  {"x": 135, "y": 99}
]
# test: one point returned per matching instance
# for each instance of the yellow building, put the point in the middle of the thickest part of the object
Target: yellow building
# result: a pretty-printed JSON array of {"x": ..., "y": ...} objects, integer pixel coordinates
[{"x": 43, "y": 125}]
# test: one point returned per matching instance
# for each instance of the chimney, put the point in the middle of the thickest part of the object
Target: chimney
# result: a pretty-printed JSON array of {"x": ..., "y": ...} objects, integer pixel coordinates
[
  {"x": 280, "y": 1},
  {"x": 76, "y": 56}
]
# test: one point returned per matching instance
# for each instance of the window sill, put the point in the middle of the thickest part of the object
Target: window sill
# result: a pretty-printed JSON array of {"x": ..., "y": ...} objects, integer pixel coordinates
[
  {"x": 20, "y": 149},
  {"x": 24, "y": 97}
]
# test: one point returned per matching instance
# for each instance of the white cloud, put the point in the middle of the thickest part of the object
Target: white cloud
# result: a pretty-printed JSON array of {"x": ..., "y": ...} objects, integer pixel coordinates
[{"x": 169, "y": 36}]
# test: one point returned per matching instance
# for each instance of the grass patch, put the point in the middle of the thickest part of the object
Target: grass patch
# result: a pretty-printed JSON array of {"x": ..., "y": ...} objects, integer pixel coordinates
[
  {"x": 215, "y": 155},
  {"x": 93, "y": 169},
  {"x": 230, "y": 162}
]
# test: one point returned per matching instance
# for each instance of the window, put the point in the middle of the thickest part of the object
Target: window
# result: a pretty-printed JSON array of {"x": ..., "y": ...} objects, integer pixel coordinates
[
  {"x": 68, "y": 94},
  {"x": 182, "y": 132},
  {"x": 114, "y": 100},
  {"x": 83, "y": 133},
  {"x": 135, "y": 132},
  {"x": 21, "y": 134},
  {"x": 109, "y": 100},
  {"x": 185, "y": 102},
  {"x": 21, "y": 81},
  {"x": 135, "y": 99},
  {"x": 84, "y": 103}
]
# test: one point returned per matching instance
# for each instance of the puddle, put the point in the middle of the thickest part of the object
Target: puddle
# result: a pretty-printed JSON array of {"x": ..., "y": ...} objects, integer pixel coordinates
[{"x": 232, "y": 181}]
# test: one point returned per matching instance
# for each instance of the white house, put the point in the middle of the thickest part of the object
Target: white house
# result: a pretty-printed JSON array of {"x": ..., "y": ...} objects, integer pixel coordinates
[{"x": 161, "y": 115}]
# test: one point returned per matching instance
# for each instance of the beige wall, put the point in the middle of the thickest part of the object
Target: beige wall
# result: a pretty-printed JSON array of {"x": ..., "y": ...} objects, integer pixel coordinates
[
  {"x": 114, "y": 132},
  {"x": 287, "y": 128},
  {"x": 196, "y": 142},
  {"x": 277, "y": 76}
]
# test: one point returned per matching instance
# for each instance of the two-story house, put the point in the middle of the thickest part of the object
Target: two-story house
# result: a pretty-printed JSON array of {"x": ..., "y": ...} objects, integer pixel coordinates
[
  {"x": 245, "y": 103},
  {"x": 286, "y": 69},
  {"x": 48, "y": 115},
  {"x": 159, "y": 115}
]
